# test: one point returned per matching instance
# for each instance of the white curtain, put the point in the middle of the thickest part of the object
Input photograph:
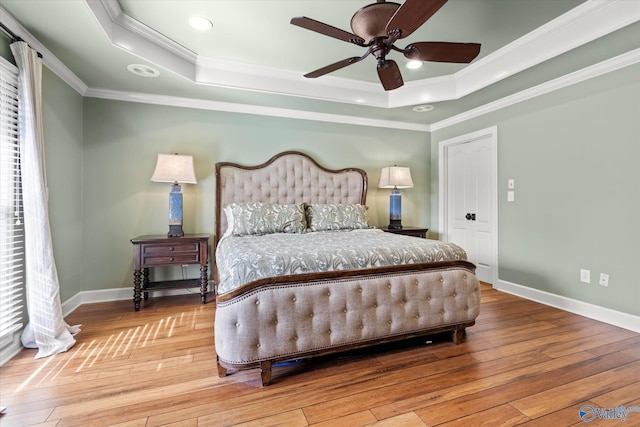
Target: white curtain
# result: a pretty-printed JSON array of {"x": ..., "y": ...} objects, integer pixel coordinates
[{"x": 46, "y": 329}]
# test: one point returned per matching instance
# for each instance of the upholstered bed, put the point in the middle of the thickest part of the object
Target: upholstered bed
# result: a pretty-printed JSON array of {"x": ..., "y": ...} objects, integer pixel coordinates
[{"x": 299, "y": 272}]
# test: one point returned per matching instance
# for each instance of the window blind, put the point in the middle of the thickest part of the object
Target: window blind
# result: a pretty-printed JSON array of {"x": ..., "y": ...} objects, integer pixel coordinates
[{"x": 11, "y": 227}]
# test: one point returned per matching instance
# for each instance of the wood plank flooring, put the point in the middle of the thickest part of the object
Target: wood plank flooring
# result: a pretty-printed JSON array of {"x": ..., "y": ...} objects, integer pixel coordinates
[{"x": 523, "y": 363}]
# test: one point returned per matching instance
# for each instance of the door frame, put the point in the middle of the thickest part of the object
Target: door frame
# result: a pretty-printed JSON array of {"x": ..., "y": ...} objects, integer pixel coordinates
[{"x": 443, "y": 186}]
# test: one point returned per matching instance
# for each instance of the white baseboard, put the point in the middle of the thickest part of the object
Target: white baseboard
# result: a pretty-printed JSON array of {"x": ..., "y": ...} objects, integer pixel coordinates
[
  {"x": 592, "y": 311},
  {"x": 115, "y": 294},
  {"x": 602, "y": 314}
]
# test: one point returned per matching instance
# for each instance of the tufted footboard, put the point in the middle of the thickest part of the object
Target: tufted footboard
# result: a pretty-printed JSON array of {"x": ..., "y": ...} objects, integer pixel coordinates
[{"x": 294, "y": 317}]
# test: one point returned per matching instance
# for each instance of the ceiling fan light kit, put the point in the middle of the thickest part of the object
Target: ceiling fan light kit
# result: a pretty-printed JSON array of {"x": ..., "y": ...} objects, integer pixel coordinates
[{"x": 378, "y": 26}]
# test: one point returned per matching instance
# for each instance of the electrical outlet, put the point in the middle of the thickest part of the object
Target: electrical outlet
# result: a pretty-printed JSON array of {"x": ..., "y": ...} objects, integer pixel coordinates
[
  {"x": 604, "y": 279},
  {"x": 585, "y": 275}
]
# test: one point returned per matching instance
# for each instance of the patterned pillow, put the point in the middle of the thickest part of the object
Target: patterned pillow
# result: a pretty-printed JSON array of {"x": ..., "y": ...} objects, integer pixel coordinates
[
  {"x": 336, "y": 217},
  {"x": 248, "y": 218}
]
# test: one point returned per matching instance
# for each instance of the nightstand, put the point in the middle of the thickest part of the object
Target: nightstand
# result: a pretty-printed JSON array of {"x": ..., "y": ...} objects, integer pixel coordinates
[
  {"x": 408, "y": 231},
  {"x": 161, "y": 251}
]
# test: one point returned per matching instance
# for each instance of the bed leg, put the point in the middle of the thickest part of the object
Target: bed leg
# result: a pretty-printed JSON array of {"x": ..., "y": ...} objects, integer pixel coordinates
[
  {"x": 457, "y": 335},
  {"x": 265, "y": 372},
  {"x": 222, "y": 371}
]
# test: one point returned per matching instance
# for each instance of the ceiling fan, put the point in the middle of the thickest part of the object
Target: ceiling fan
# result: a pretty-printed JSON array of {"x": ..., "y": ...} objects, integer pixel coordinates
[{"x": 378, "y": 26}]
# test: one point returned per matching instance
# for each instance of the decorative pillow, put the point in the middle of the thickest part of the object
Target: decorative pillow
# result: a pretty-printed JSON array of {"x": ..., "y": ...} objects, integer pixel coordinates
[
  {"x": 265, "y": 218},
  {"x": 336, "y": 217},
  {"x": 228, "y": 213}
]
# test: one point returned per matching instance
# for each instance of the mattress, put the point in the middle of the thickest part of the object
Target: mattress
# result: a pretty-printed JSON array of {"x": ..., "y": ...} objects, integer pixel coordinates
[{"x": 243, "y": 259}]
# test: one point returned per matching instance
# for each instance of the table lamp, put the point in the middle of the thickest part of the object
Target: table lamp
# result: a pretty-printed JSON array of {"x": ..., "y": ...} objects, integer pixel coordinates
[
  {"x": 396, "y": 178},
  {"x": 176, "y": 169}
]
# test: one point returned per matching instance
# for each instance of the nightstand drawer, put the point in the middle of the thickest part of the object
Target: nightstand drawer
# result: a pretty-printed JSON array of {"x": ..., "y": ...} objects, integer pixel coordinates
[{"x": 182, "y": 253}]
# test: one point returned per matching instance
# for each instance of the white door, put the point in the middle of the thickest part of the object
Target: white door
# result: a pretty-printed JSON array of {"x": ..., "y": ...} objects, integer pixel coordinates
[{"x": 470, "y": 187}]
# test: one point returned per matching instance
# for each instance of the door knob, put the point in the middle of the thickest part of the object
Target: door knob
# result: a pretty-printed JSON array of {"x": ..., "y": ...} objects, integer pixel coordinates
[
  {"x": 468, "y": 216},
  {"x": 473, "y": 217}
]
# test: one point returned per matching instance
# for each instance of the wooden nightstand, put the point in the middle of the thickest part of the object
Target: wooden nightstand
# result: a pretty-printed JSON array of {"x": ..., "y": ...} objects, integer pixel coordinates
[
  {"x": 408, "y": 231},
  {"x": 160, "y": 251}
]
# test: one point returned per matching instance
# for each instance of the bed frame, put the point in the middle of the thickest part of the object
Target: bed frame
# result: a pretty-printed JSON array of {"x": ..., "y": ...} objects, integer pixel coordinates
[{"x": 300, "y": 316}]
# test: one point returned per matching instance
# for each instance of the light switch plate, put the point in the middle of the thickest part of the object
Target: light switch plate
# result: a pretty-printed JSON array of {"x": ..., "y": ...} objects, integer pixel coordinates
[
  {"x": 511, "y": 196},
  {"x": 511, "y": 184}
]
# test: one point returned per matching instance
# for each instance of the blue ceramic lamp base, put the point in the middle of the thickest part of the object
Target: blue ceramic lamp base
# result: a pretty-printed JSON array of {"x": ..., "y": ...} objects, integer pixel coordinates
[
  {"x": 175, "y": 212},
  {"x": 395, "y": 210}
]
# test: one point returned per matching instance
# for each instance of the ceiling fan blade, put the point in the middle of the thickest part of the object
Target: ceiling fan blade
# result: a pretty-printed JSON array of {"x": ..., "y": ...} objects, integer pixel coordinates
[
  {"x": 389, "y": 74},
  {"x": 333, "y": 67},
  {"x": 411, "y": 15},
  {"x": 462, "y": 53},
  {"x": 327, "y": 30}
]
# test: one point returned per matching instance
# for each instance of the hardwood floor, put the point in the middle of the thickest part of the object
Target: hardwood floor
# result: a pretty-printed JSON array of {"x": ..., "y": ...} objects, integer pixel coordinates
[{"x": 522, "y": 363}]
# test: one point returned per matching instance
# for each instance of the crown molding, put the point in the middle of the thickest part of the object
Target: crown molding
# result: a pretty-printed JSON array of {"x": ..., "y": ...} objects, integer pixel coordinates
[
  {"x": 601, "y": 68},
  {"x": 216, "y": 72},
  {"x": 48, "y": 59},
  {"x": 583, "y": 24},
  {"x": 58, "y": 68},
  {"x": 144, "y": 42},
  {"x": 174, "y": 101},
  {"x": 586, "y": 22}
]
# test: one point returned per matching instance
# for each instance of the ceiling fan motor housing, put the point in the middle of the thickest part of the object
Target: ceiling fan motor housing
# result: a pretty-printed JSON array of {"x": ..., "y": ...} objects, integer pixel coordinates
[{"x": 371, "y": 21}]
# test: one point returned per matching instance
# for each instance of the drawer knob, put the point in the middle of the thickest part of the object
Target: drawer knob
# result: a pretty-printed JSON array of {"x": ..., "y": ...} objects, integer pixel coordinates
[
  {"x": 171, "y": 248},
  {"x": 171, "y": 259}
]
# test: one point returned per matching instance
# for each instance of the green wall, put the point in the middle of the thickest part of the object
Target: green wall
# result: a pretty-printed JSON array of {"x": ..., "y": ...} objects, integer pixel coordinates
[
  {"x": 574, "y": 157},
  {"x": 122, "y": 140},
  {"x": 62, "y": 115},
  {"x": 573, "y": 154}
]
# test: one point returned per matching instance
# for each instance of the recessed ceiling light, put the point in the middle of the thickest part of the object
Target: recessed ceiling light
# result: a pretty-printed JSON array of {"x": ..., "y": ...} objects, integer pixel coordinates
[
  {"x": 200, "y": 23},
  {"x": 413, "y": 64},
  {"x": 422, "y": 108},
  {"x": 143, "y": 70}
]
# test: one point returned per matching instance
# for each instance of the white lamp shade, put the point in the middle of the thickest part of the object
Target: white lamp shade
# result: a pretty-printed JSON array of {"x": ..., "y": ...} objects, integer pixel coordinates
[
  {"x": 174, "y": 168},
  {"x": 395, "y": 177}
]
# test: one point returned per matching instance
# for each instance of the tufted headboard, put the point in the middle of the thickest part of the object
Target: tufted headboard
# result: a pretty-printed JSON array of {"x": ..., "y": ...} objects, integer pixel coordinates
[{"x": 288, "y": 177}]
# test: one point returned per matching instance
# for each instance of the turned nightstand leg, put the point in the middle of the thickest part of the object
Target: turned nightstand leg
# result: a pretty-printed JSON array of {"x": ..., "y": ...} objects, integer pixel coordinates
[
  {"x": 145, "y": 282},
  {"x": 136, "y": 290},
  {"x": 203, "y": 283}
]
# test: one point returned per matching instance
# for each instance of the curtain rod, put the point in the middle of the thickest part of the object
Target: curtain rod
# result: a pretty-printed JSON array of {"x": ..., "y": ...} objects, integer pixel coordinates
[{"x": 15, "y": 38}]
